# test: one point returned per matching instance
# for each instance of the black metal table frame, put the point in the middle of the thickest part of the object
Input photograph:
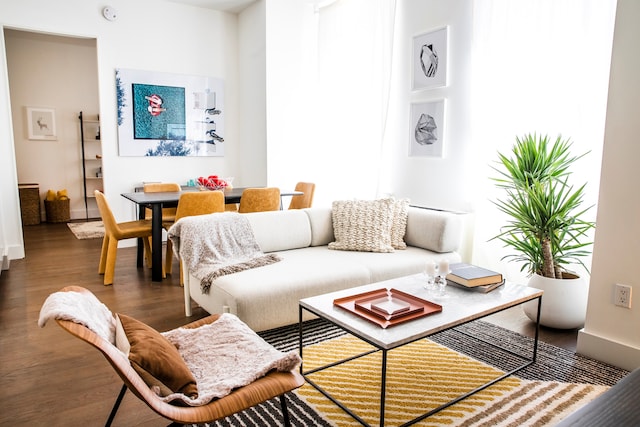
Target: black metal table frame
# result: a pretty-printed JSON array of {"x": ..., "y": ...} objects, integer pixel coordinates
[{"x": 305, "y": 374}]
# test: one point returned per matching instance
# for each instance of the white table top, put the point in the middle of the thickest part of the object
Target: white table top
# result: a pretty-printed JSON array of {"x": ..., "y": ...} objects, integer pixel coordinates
[{"x": 460, "y": 307}]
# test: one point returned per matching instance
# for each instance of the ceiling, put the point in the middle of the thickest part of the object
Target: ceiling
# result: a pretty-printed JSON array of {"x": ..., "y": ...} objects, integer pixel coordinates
[{"x": 233, "y": 6}]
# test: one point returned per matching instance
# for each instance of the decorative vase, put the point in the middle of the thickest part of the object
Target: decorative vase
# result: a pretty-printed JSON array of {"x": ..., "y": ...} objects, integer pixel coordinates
[{"x": 564, "y": 302}]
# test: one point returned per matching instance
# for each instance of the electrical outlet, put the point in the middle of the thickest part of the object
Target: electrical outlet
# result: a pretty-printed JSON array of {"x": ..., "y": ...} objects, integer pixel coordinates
[{"x": 622, "y": 296}]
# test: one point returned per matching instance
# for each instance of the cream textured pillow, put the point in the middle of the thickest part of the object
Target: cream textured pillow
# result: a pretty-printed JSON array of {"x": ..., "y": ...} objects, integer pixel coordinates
[
  {"x": 399, "y": 223},
  {"x": 362, "y": 225}
]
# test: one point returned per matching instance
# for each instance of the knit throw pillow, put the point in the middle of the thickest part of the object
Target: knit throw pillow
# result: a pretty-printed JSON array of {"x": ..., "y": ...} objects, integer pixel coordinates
[
  {"x": 362, "y": 225},
  {"x": 400, "y": 213}
]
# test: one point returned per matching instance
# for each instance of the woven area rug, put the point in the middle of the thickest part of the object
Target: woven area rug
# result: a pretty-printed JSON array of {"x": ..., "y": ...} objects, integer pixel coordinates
[
  {"x": 557, "y": 384},
  {"x": 87, "y": 230}
]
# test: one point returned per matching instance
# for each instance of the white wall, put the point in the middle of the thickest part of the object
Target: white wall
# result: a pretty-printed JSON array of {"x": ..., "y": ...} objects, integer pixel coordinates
[
  {"x": 611, "y": 333},
  {"x": 290, "y": 82},
  {"x": 148, "y": 35},
  {"x": 249, "y": 167},
  {"x": 427, "y": 181}
]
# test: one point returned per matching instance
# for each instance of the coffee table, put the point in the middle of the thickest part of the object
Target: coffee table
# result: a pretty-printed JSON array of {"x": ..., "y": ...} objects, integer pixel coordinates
[{"x": 460, "y": 306}]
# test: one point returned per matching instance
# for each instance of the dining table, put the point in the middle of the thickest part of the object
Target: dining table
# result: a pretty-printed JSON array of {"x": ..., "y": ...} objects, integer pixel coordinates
[{"x": 158, "y": 200}]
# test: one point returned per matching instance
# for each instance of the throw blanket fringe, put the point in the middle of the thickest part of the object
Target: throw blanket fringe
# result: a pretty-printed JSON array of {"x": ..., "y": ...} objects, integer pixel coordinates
[{"x": 215, "y": 245}]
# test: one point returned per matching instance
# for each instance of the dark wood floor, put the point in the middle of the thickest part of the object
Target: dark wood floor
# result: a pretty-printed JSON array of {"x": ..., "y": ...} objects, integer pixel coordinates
[{"x": 48, "y": 377}]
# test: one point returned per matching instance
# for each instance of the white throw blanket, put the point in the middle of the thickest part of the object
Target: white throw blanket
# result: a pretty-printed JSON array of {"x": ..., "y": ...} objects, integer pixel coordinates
[
  {"x": 82, "y": 308},
  {"x": 225, "y": 355},
  {"x": 217, "y": 244}
]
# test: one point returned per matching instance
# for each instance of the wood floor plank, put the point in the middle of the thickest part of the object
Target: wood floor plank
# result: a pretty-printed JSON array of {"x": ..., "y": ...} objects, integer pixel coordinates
[{"x": 48, "y": 377}]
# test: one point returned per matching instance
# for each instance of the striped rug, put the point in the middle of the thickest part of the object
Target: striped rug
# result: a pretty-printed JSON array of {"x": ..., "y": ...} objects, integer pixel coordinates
[
  {"x": 555, "y": 385},
  {"x": 424, "y": 375}
]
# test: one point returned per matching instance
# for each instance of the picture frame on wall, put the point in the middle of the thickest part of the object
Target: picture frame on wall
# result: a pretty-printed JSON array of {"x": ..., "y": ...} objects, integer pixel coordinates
[
  {"x": 427, "y": 129},
  {"x": 41, "y": 123},
  {"x": 167, "y": 114},
  {"x": 430, "y": 58}
]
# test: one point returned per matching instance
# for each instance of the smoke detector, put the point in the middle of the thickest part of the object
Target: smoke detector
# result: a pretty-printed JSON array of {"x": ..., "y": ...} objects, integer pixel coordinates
[{"x": 109, "y": 13}]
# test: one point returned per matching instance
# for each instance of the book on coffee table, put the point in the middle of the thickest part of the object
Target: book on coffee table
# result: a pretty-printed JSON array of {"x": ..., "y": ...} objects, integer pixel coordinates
[
  {"x": 482, "y": 288},
  {"x": 470, "y": 275}
]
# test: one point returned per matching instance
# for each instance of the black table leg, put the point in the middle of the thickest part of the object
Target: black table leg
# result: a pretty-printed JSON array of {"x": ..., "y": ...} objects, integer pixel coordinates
[
  {"x": 156, "y": 242},
  {"x": 140, "y": 253}
]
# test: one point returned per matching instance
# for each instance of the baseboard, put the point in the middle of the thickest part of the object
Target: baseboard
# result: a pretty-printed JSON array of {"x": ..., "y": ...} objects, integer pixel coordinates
[{"x": 606, "y": 350}]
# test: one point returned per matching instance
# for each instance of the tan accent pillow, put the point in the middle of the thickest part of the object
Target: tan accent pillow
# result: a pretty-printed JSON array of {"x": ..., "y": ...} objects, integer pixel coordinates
[
  {"x": 154, "y": 358},
  {"x": 362, "y": 225},
  {"x": 399, "y": 223}
]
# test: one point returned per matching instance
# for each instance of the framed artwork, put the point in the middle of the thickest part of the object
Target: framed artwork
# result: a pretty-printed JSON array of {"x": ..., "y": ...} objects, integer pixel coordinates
[
  {"x": 429, "y": 56},
  {"x": 164, "y": 114},
  {"x": 427, "y": 129},
  {"x": 41, "y": 123}
]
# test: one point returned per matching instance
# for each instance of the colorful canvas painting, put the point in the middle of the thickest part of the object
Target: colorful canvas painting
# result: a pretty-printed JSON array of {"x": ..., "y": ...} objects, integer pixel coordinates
[{"x": 164, "y": 114}]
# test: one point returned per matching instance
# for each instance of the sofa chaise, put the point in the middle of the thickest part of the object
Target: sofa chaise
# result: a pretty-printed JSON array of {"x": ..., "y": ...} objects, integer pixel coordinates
[{"x": 267, "y": 297}]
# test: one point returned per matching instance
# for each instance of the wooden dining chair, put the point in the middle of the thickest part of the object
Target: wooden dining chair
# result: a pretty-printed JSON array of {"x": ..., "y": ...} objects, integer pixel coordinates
[
  {"x": 272, "y": 385},
  {"x": 259, "y": 200},
  {"x": 168, "y": 214},
  {"x": 304, "y": 200},
  {"x": 114, "y": 232},
  {"x": 190, "y": 204}
]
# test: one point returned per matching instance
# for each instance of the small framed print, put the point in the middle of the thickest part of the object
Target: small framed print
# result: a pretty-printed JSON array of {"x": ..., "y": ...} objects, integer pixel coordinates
[
  {"x": 429, "y": 56},
  {"x": 427, "y": 129},
  {"x": 41, "y": 123}
]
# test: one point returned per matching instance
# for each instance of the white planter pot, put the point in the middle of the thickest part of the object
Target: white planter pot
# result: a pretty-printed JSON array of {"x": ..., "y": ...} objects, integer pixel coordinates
[{"x": 564, "y": 302}]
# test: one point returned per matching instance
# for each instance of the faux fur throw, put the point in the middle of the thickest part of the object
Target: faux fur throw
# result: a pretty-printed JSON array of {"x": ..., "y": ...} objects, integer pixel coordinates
[
  {"x": 225, "y": 355},
  {"x": 217, "y": 244},
  {"x": 82, "y": 308}
]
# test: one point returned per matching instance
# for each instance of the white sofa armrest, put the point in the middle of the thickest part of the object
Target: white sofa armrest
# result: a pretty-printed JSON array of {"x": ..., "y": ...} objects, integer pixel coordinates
[{"x": 437, "y": 231}]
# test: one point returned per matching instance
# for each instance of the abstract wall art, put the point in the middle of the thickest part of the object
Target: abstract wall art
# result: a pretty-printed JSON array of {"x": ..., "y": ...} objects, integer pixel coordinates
[
  {"x": 164, "y": 114},
  {"x": 429, "y": 59},
  {"x": 427, "y": 129}
]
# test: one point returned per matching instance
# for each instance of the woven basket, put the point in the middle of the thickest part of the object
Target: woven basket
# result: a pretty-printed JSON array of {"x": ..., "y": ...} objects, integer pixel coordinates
[
  {"x": 57, "y": 210},
  {"x": 29, "y": 203}
]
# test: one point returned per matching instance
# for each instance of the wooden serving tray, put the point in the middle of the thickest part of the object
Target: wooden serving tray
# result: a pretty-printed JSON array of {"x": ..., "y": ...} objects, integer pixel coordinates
[{"x": 360, "y": 304}]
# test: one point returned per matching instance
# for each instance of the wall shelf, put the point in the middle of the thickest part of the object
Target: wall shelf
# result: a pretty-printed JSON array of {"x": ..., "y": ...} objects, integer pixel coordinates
[{"x": 91, "y": 158}]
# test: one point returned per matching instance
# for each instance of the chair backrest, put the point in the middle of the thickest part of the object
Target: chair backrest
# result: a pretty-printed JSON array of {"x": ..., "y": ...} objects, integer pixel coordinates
[
  {"x": 260, "y": 200},
  {"x": 108, "y": 219},
  {"x": 305, "y": 200},
  {"x": 200, "y": 203},
  {"x": 158, "y": 187},
  {"x": 168, "y": 214}
]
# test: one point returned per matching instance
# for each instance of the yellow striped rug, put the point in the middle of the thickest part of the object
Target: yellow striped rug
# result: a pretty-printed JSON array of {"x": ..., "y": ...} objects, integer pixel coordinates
[{"x": 443, "y": 374}]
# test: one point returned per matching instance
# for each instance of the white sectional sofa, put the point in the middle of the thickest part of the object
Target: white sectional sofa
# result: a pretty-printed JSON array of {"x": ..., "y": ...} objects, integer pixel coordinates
[{"x": 267, "y": 297}]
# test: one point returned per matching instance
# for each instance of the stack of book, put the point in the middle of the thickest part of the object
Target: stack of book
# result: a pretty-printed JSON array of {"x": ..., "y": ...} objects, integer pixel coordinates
[{"x": 474, "y": 278}]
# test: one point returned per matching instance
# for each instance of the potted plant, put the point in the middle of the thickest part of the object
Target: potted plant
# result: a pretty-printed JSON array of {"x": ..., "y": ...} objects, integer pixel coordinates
[{"x": 546, "y": 229}]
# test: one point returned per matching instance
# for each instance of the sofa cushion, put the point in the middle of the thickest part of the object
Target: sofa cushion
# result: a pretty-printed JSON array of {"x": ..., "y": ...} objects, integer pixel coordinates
[
  {"x": 280, "y": 230},
  {"x": 434, "y": 230},
  {"x": 321, "y": 225},
  {"x": 362, "y": 225},
  {"x": 154, "y": 358}
]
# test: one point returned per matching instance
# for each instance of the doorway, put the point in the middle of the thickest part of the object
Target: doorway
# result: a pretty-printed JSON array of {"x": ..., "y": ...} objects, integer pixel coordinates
[{"x": 56, "y": 75}]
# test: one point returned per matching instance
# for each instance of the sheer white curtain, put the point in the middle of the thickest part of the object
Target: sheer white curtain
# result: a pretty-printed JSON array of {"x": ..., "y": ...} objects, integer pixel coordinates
[
  {"x": 539, "y": 66},
  {"x": 354, "y": 62}
]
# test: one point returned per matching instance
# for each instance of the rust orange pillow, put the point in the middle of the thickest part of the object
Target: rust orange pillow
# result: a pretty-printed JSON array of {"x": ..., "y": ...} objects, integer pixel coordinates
[{"x": 155, "y": 359}]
